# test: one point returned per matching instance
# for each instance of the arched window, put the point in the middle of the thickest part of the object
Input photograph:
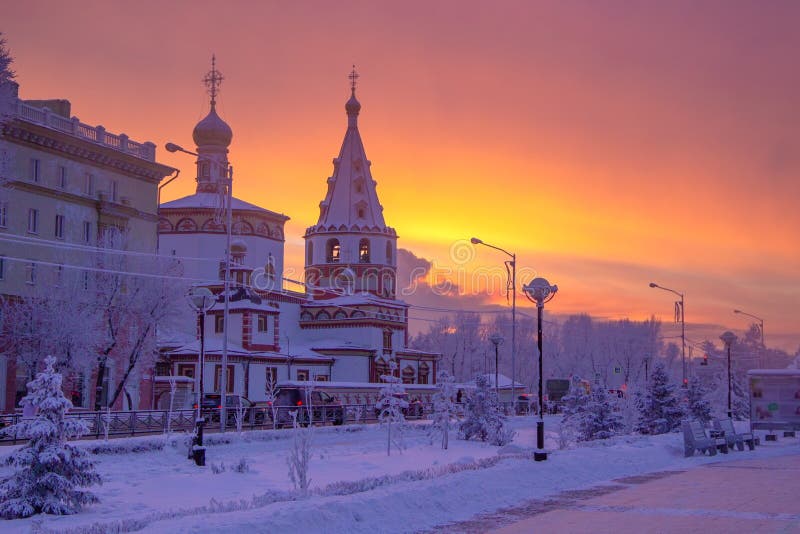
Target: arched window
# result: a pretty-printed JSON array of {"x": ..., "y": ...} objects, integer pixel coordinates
[
  {"x": 204, "y": 169},
  {"x": 423, "y": 373},
  {"x": 333, "y": 251},
  {"x": 360, "y": 213},
  {"x": 363, "y": 251},
  {"x": 388, "y": 252},
  {"x": 310, "y": 253},
  {"x": 269, "y": 269},
  {"x": 408, "y": 375}
]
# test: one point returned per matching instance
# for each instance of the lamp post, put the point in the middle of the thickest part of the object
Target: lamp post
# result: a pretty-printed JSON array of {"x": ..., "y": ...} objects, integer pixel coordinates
[
  {"x": 201, "y": 299},
  {"x": 228, "y": 193},
  {"x": 678, "y": 315},
  {"x": 760, "y": 329},
  {"x": 540, "y": 291},
  {"x": 513, "y": 264},
  {"x": 496, "y": 340},
  {"x": 728, "y": 338}
]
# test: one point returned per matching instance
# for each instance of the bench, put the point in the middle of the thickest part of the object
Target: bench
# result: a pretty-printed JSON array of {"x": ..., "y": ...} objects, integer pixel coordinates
[
  {"x": 732, "y": 437},
  {"x": 695, "y": 439}
]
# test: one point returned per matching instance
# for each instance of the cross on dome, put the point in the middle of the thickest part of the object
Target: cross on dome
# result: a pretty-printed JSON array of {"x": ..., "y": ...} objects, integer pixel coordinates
[
  {"x": 213, "y": 81},
  {"x": 353, "y": 79}
]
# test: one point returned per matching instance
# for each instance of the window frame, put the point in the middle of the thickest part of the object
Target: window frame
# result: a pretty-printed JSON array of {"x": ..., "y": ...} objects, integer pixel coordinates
[
  {"x": 33, "y": 221},
  {"x": 59, "y": 226}
]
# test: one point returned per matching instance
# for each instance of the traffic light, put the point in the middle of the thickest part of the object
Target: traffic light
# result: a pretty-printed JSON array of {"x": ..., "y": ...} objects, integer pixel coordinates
[{"x": 705, "y": 360}]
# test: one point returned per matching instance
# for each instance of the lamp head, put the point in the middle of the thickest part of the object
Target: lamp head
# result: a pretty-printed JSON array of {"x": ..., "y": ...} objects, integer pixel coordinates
[
  {"x": 201, "y": 299},
  {"x": 475, "y": 241},
  {"x": 496, "y": 338},
  {"x": 172, "y": 147},
  {"x": 540, "y": 291},
  {"x": 728, "y": 338},
  {"x": 653, "y": 284}
]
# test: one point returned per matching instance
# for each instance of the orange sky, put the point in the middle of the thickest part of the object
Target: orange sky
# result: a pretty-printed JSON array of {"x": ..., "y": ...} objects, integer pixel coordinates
[{"x": 608, "y": 144}]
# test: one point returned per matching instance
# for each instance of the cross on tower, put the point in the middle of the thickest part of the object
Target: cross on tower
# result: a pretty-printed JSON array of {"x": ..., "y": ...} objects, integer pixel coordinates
[
  {"x": 353, "y": 79},
  {"x": 213, "y": 80}
]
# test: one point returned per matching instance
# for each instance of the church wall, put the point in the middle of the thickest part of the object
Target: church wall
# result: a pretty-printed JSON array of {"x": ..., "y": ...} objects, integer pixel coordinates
[{"x": 351, "y": 369}]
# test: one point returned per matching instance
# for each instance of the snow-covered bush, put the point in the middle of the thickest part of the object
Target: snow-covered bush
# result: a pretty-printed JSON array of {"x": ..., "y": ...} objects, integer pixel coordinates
[
  {"x": 483, "y": 417},
  {"x": 217, "y": 468},
  {"x": 271, "y": 397},
  {"x": 659, "y": 409},
  {"x": 600, "y": 419},
  {"x": 573, "y": 407},
  {"x": 699, "y": 407},
  {"x": 390, "y": 408},
  {"x": 300, "y": 455},
  {"x": 443, "y": 408},
  {"x": 48, "y": 471},
  {"x": 242, "y": 466}
]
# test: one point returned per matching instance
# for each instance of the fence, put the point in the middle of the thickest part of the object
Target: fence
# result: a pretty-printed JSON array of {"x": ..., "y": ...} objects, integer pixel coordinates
[{"x": 123, "y": 424}]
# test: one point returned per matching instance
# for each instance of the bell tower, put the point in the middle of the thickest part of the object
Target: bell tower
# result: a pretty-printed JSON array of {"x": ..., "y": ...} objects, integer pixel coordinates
[{"x": 350, "y": 249}]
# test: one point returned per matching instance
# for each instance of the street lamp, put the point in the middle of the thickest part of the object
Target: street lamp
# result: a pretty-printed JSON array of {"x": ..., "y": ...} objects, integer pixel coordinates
[
  {"x": 201, "y": 299},
  {"x": 496, "y": 340},
  {"x": 728, "y": 338},
  {"x": 540, "y": 291},
  {"x": 228, "y": 193},
  {"x": 513, "y": 288},
  {"x": 679, "y": 315}
]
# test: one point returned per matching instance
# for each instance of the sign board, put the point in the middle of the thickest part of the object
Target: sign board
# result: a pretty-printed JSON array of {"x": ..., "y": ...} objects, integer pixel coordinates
[{"x": 774, "y": 398}]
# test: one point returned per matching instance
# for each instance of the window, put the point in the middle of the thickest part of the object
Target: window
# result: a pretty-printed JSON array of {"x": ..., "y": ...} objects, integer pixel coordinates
[
  {"x": 363, "y": 251},
  {"x": 59, "y": 231},
  {"x": 204, "y": 169},
  {"x": 33, "y": 221},
  {"x": 263, "y": 325},
  {"x": 85, "y": 280},
  {"x": 310, "y": 253},
  {"x": 36, "y": 168},
  {"x": 321, "y": 378},
  {"x": 219, "y": 323},
  {"x": 62, "y": 177},
  {"x": 302, "y": 375},
  {"x": 271, "y": 375},
  {"x": 88, "y": 184},
  {"x": 30, "y": 273},
  {"x": 3, "y": 214},
  {"x": 218, "y": 378},
  {"x": 59, "y": 278},
  {"x": 114, "y": 190},
  {"x": 87, "y": 232},
  {"x": 2, "y": 268},
  {"x": 360, "y": 213},
  {"x": 333, "y": 251},
  {"x": 408, "y": 375},
  {"x": 186, "y": 369},
  {"x": 387, "y": 341},
  {"x": 163, "y": 369},
  {"x": 270, "y": 268},
  {"x": 389, "y": 252},
  {"x": 423, "y": 373}
]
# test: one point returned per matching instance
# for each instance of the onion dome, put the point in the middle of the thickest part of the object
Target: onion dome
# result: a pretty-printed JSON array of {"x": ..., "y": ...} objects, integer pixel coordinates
[
  {"x": 212, "y": 130},
  {"x": 353, "y": 106}
]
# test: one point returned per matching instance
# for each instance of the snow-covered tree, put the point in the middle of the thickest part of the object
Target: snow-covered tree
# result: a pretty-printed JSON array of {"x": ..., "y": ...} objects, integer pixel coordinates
[
  {"x": 390, "y": 408},
  {"x": 573, "y": 406},
  {"x": 6, "y": 74},
  {"x": 699, "y": 407},
  {"x": 271, "y": 397},
  {"x": 48, "y": 471},
  {"x": 601, "y": 420},
  {"x": 659, "y": 408},
  {"x": 443, "y": 407},
  {"x": 300, "y": 454},
  {"x": 483, "y": 417}
]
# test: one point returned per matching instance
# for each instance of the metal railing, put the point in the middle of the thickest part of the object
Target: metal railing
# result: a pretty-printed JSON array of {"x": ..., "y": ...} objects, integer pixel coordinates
[{"x": 132, "y": 423}]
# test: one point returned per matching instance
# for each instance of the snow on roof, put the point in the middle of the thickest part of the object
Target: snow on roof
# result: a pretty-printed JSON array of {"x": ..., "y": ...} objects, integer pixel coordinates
[
  {"x": 244, "y": 304},
  {"x": 357, "y": 298},
  {"x": 502, "y": 380},
  {"x": 214, "y": 346},
  {"x": 324, "y": 384},
  {"x": 174, "y": 378},
  {"x": 213, "y": 201},
  {"x": 774, "y": 372}
]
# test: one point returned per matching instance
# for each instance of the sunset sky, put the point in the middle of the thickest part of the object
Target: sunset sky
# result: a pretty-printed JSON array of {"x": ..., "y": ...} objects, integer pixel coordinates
[{"x": 609, "y": 144}]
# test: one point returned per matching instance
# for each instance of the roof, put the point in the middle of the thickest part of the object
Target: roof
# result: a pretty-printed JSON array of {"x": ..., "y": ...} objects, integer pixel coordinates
[
  {"x": 357, "y": 298},
  {"x": 213, "y": 201},
  {"x": 774, "y": 372},
  {"x": 503, "y": 381},
  {"x": 214, "y": 346}
]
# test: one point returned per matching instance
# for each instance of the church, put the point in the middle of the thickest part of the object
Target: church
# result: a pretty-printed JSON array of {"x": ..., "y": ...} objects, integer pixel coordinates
[{"x": 342, "y": 325}]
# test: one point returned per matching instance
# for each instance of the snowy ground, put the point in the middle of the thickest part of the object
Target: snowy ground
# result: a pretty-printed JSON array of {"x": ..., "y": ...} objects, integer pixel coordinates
[{"x": 424, "y": 487}]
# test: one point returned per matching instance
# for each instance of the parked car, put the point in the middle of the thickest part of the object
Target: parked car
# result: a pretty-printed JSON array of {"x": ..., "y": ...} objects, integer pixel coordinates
[
  {"x": 526, "y": 404},
  {"x": 415, "y": 407},
  {"x": 212, "y": 406},
  {"x": 324, "y": 407}
]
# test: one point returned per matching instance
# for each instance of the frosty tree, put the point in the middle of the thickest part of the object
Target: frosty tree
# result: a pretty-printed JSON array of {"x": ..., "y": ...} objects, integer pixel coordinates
[
  {"x": 699, "y": 407},
  {"x": 271, "y": 397},
  {"x": 659, "y": 410},
  {"x": 573, "y": 407},
  {"x": 443, "y": 407},
  {"x": 390, "y": 408},
  {"x": 48, "y": 471},
  {"x": 600, "y": 418},
  {"x": 300, "y": 454},
  {"x": 483, "y": 417}
]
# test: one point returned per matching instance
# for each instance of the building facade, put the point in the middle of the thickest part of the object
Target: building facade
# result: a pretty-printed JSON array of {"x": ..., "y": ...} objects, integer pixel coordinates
[{"x": 66, "y": 186}]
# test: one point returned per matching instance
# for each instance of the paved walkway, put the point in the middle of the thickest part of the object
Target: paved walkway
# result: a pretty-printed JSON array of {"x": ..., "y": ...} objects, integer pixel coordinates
[{"x": 741, "y": 496}]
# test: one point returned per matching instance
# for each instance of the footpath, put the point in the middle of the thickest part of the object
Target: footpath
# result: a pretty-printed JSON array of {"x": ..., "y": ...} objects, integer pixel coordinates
[{"x": 760, "y": 495}]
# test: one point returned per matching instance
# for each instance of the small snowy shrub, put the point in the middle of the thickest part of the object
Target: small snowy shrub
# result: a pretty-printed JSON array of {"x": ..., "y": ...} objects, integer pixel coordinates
[
  {"x": 300, "y": 455},
  {"x": 443, "y": 408},
  {"x": 483, "y": 418},
  {"x": 47, "y": 470},
  {"x": 217, "y": 468},
  {"x": 242, "y": 466}
]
